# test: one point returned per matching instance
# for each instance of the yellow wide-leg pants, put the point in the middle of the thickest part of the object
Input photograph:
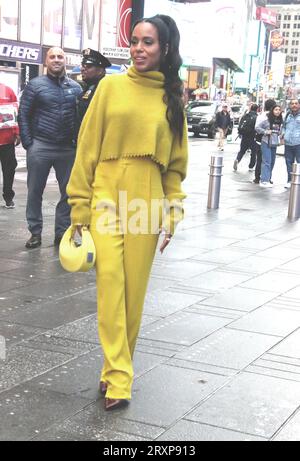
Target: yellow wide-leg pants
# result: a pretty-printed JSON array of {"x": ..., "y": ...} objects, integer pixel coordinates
[{"x": 125, "y": 251}]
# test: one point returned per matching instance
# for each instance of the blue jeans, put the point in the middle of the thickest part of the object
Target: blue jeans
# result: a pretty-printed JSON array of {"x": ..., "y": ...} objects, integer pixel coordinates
[
  {"x": 41, "y": 157},
  {"x": 292, "y": 154},
  {"x": 268, "y": 161}
]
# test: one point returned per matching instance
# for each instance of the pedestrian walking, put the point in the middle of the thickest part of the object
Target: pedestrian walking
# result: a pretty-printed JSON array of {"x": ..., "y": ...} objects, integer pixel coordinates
[
  {"x": 223, "y": 122},
  {"x": 291, "y": 136},
  {"x": 47, "y": 120},
  {"x": 93, "y": 70},
  {"x": 246, "y": 130},
  {"x": 270, "y": 128},
  {"x": 9, "y": 138},
  {"x": 269, "y": 104},
  {"x": 132, "y": 144}
]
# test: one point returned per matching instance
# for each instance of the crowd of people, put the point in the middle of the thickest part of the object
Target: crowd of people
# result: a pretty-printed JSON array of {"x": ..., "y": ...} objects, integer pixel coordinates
[{"x": 262, "y": 133}]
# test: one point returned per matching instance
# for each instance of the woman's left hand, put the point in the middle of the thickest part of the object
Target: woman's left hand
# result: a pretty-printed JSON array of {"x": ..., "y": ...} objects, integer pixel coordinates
[{"x": 166, "y": 242}]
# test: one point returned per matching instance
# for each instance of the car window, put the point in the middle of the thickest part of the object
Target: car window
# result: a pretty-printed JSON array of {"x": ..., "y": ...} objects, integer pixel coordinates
[{"x": 205, "y": 109}]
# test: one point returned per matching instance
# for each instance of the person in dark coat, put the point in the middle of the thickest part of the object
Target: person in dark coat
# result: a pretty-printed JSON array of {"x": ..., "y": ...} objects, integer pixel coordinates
[
  {"x": 93, "y": 70},
  {"x": 223, "y": 122},
  {"x": 47, "y": 121}
]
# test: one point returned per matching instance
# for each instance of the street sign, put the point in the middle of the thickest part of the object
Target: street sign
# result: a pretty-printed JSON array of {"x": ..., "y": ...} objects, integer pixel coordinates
[{"x": 276, "y": 40}]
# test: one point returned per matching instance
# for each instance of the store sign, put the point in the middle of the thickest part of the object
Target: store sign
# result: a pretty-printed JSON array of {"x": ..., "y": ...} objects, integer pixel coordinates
[
  {"x": 266, "y": 15},
  {"x": 116, "y": 52},
  {"x": 20, "y": 52},
  {"x": 73, "y": 60}
]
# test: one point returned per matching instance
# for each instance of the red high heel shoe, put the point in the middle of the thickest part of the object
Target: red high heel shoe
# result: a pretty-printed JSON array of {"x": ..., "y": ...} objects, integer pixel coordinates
[{"x": 115, "y": 404}]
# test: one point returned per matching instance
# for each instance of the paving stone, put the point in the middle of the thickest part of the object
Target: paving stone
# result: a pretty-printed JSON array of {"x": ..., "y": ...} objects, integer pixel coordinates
[
  {"x": 282, "y": 252},
  {"x": 183, "y": 328},
  {"x": 52, "y": 290},
  {"x": 182, "y": 269},
  {"x": 172, "y": 392},
  {"x": 224, "y": 255},
  {"x": 289, "y": 347},
  {"x": 275, "y": 281},
  {"x": 9, "y": 265},
  {"x": 270, "y": 321},
  {"x": 7, "y": 284},
  {"x": 15, "y": 334},
  {"x": 27, "y": 410},
  {"x": 189, "y": 431},
  {"x": 165, "y": 302},
  {"x": 93, "y": 423},
  {"x": 84, "y": 329},
  {"x": 256, "y": 243},
  {"x": 290, "y": 431},
  {"x": 241, "y": 299},
  {"x": 49, "y": 314},
  {"x": 23, "y": 364},
  {"x": 159, "y": 283},
  {"x": 217, "y": 280},
  {"x": 255, "y": 265},
  {"x": 50, "y": 342},
  {"x": 250, "y": 404},
  {"x": 229, "y": 348},
  {"x": 293, "y": 266}
]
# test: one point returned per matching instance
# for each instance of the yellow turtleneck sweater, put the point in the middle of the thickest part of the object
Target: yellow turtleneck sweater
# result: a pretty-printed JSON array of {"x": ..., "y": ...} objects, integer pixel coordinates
[{"x": 126, "y": 118}]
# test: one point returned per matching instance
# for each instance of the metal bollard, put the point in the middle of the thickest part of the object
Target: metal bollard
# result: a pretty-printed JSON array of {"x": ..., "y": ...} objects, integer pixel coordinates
[
  {"x": 215, "y": 175},
  {"x": 294, "y": 202}
]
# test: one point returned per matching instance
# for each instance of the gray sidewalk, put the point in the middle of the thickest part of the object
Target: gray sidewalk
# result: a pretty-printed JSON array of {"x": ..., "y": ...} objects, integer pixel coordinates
[{"x": 218, "y": 356}]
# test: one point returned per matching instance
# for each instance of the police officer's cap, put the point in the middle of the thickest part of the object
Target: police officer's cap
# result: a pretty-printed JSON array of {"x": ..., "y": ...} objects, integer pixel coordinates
[{"x": 94, "y": 57}]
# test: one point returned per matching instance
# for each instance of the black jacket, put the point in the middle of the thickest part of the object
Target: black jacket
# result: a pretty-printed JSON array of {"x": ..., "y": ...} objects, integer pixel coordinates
[
  {"x": 223, "y": 120},
  {"x": 48, "y": 111}
]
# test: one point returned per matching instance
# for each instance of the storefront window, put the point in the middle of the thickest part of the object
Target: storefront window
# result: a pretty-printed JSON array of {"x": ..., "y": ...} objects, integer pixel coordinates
[
  {"x": 73, "y": 24},
  {"x": 53, "y": 14},
  {"x": 91, "y": 24},
  {"x": 9, "y": 19},
  {"x": 31, "y": 21}
]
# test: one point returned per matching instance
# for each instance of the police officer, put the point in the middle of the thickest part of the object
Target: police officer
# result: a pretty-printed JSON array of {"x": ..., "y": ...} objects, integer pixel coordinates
[{"x": 93, "y": 70}]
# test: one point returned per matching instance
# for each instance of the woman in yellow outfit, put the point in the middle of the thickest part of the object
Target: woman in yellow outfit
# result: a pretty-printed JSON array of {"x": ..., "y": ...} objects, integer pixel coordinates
[{"x": 132, "y": 155}]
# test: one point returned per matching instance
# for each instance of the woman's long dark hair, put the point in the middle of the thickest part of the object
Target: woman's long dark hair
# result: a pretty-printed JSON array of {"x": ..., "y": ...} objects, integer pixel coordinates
[
  {"x": 169, "y": 38},
  {"x": 273, "y": 119}
]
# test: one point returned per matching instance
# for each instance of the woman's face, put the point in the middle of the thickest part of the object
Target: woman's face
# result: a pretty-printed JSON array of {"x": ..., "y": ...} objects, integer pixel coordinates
[
  {"x": 277, "y": 111},
  {"x": 145, "y": 48}
]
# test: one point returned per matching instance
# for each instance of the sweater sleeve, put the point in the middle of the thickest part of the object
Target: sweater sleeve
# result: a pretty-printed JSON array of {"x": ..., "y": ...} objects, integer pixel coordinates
[
  {"x": 171, "y": 181},
  {"x": 79, "y": 188}
]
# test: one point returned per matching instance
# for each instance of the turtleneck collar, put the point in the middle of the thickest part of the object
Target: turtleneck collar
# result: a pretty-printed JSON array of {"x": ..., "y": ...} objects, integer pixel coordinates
[{"x": 152, "y": 79}]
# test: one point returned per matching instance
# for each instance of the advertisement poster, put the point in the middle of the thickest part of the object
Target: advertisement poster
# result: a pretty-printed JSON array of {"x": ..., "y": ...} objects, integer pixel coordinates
[
  {"x": 73, "y": 24},
  {"x": 8, "y": 116},
  {"x": 91, "y": 24},
  {"x": 9, "y": 12},
  {"x": 53, "y": 17},
  {"x": 31, "y": 21},
  {"x": 115, "y": 27}
]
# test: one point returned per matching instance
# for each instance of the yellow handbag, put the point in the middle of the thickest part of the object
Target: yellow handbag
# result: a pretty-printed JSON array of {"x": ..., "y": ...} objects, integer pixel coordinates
[{"x": 74, "y": 257}]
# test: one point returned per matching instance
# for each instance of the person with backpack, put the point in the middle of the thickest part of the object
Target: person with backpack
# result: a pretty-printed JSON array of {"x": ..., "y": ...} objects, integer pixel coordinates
[
  {"x": 246, "y": 130},
  {"x": 270, "y": 128}
]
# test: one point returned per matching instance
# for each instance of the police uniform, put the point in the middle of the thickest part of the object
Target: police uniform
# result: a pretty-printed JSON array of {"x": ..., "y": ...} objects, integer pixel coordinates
[{"x": 97, "y": 59}]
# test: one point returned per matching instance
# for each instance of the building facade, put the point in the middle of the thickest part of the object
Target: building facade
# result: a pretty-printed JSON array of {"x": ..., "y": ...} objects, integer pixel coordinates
[{"x": 28, "y": 28}]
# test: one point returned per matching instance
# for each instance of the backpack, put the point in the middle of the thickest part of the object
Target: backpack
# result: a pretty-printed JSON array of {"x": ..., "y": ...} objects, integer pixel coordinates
[{"x": 247, "y": 124}]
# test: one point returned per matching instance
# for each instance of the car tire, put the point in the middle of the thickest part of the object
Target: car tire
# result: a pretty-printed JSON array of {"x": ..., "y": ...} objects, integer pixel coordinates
[{"x": 196, "y": 134}]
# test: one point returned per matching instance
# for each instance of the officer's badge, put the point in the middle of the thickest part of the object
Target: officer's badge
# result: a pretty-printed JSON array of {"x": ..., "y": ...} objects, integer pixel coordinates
[{"x": 87, "y": 94}]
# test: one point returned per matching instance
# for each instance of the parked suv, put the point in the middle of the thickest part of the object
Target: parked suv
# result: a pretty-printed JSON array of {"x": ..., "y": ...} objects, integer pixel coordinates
[{"x": 201, "y": 117}]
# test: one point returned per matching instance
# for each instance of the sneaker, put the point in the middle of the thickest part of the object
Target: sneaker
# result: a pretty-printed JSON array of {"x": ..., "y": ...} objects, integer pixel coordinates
[
  {"x": 251, "y": 169},
  {"x": 266, "y": 185},
  {"x": 256, "y": 181},
  {"x": 235, "y": 165},
  {"x": 271, "y": 182},
  {"x": 9, "y": 204},
  {"x": 35, "y": 241},
  {"x": 288, "y": 185}
]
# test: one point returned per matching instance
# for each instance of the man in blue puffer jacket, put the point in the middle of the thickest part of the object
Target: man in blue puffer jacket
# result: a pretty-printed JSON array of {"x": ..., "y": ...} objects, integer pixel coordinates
[
  {"x": 47, "y": 120},
  {"x": 291, "y": 134}
]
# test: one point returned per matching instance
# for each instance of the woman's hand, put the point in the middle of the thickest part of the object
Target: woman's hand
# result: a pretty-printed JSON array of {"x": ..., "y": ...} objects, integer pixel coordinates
[{"x": 166, "y": 242}]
